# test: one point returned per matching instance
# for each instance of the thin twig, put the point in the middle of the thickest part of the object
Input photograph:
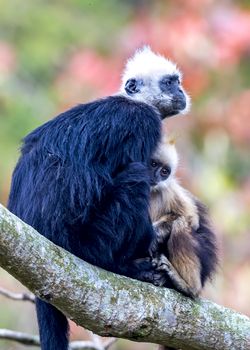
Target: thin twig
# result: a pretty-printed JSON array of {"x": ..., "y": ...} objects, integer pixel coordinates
[
  {"x": 23, "y": 338},
  {"x": 17, "y": 296},
  {"x": 28, "y": 339},
  {"x": 96, "y": 339},
  {"x": 84, "y": 345}
]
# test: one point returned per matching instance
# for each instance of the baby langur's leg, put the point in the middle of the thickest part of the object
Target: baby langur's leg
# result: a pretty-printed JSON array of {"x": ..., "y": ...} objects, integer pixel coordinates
[
  {"x": 163, "y": 228},
  {"x": 183, "y": 265},
  {"x": 183, "y": 254}
]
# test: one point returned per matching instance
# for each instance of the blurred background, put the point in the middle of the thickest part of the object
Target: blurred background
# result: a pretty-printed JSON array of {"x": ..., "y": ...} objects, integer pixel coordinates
[{"x": 56, "y": 54}]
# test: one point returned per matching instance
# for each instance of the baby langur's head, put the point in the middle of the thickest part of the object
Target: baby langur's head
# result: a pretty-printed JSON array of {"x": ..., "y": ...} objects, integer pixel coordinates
[
  {"x": 163, "y": 165},
  {"x": 155, "y": 80}
]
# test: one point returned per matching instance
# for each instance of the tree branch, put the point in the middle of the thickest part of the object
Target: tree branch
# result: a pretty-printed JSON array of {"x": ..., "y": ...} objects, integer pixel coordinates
[
  {"x": 28, "y": 339},
  {"x": 113, "y": 305},
  {"x": 20, "y": 337},
  {"x": 17, "y": 296}
]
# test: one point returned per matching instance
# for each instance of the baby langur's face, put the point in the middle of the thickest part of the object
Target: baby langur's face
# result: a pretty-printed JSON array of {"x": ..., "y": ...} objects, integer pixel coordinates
[
  {"x": 158, "y": 172},
  {"x": 163, "y": 165}
]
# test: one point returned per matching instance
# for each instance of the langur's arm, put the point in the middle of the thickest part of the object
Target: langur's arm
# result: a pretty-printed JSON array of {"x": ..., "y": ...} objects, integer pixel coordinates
[
  {"x": 174, "y": 230},
  {"x": 163, "y": 227},
  {"x": 177, "y": 203}
]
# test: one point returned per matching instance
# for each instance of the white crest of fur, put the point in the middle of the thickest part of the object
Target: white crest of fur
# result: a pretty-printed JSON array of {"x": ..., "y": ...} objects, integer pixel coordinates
[{"x": 146, "y": 63}]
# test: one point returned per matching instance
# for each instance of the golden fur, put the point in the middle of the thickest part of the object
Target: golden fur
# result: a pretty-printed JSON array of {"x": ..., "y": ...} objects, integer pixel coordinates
[{"x": 175, "y": 216}]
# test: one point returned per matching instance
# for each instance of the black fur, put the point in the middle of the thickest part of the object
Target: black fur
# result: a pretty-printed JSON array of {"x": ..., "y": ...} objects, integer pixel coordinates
[{"x": 82, "y": 182}]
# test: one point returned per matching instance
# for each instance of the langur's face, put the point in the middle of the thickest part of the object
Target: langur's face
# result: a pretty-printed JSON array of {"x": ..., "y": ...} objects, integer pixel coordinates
[
  {"x": 158, "y": 172},
  {"x": 163, "y": 91},
  {"x": 151, "y": 78}
]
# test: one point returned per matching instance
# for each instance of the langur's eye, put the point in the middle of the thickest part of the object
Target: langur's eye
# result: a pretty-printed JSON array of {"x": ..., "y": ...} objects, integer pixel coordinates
[
  {"x": 153, "y": 164},
  {"x": 165, "y": 171},
  {"x": 168, "y": 82}
]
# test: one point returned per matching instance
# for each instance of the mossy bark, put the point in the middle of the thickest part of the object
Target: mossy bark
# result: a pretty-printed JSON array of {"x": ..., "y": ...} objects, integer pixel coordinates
[{"x": 113, "y": 305}]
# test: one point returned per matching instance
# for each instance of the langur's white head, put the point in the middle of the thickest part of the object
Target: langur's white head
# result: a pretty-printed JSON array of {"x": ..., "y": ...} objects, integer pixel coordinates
[
  {"x": 151, "y": 78},
  {"x": 163, "y": 164}
]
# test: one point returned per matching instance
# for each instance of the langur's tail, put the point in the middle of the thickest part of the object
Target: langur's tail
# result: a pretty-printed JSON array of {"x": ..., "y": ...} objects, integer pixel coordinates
[{"x": 53, "y": 327}]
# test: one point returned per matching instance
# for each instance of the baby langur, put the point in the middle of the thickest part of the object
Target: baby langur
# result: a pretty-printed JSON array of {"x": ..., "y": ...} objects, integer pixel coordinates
[{"x": 186, "y": 245}]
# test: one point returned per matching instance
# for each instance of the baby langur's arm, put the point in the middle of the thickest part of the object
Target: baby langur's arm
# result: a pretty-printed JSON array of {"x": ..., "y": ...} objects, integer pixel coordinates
[
  {"x": 163, "y": 227},
  {"x": 183, "y": 254},
  {"x": 177, "y": 203}
]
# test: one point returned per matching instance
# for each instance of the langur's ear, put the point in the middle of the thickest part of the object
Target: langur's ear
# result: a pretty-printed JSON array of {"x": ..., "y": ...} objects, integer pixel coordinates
[{"x": 133, "y": 86}]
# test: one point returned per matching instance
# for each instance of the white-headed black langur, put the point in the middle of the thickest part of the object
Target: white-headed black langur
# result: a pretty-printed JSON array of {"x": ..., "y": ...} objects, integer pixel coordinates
[
  {"x": 186, "y": 244},
  {"x": 82, "y": 178}
]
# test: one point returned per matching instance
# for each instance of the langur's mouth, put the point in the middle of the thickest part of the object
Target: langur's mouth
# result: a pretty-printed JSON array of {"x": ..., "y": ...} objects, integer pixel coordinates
[
  {"x": 179, "y": 103},
  {"x": 176, "y": 106}
]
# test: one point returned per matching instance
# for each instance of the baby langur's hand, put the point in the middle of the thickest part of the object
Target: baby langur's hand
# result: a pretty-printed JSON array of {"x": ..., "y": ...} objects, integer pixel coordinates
[{"x": 152, "y": 274}]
